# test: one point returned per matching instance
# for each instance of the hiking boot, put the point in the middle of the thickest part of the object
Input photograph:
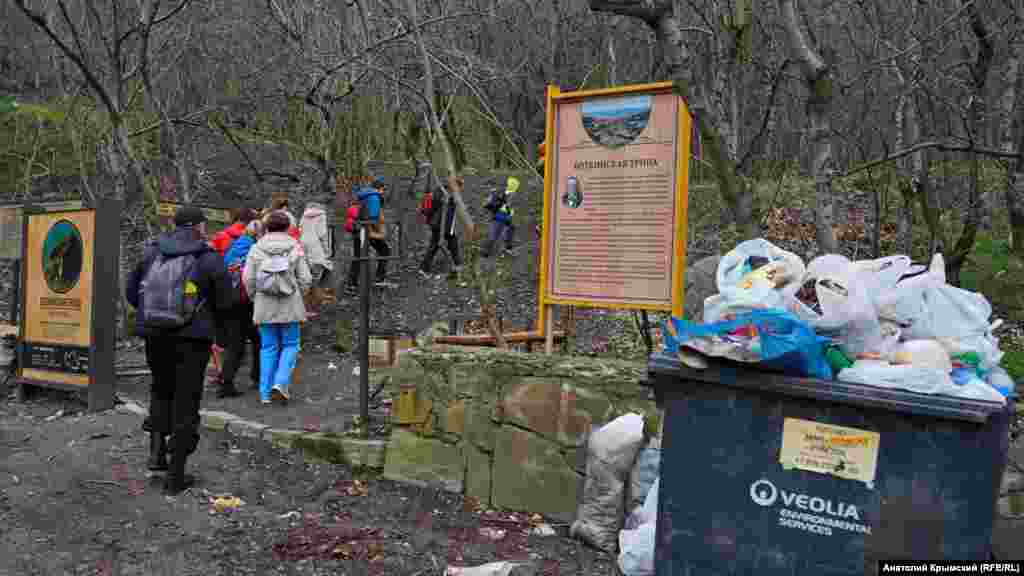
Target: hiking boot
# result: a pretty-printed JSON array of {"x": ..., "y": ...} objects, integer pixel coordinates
[
  {"x": 177, "y": 481},
  {"x": 157, "y": 453}
]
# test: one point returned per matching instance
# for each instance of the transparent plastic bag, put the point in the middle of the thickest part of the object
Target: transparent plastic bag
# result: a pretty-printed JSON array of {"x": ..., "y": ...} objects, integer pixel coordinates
[
  {"x": 636, "y": 556},
  {"x": 919, "y": 379},
  {"x": 643, "y": 475},
  {"x": 738, "y": 270}
]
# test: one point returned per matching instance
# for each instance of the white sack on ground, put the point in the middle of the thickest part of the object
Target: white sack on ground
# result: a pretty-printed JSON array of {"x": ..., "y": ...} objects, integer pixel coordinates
[{"x": 611, "y": 451}]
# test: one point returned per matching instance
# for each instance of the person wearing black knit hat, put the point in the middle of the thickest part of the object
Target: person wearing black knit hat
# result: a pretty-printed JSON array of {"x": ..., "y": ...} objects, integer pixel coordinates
[{"x": 182, "y": 296}]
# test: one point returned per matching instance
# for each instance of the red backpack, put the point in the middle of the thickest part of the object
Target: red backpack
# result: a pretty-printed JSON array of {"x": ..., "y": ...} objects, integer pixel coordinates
[
  {"x": 235, "y": 274},
  {"x": 350, "y": 218}
]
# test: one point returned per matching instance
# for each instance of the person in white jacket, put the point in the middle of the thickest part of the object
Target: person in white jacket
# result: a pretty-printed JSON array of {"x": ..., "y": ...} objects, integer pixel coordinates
[{"x": 316, "y": 243}]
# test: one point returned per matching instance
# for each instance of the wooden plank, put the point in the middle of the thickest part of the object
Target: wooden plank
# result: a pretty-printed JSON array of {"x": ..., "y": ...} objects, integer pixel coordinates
[{"x": 488, "y": 340}]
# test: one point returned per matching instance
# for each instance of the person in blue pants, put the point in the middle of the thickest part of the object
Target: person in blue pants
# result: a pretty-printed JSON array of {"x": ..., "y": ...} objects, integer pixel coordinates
[{"x": 276, "y": 277}]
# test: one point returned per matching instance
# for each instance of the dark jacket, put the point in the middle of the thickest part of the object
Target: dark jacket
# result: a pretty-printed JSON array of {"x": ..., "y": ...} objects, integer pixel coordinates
[
  {"x": 443, "y": 215},
  {"x": 210, "y": 276}
]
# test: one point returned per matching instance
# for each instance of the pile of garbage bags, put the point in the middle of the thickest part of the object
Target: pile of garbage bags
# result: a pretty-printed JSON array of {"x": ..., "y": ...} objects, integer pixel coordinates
[
  {"x": 884, "y": 322},
  {"x": 622, "y": 476}
]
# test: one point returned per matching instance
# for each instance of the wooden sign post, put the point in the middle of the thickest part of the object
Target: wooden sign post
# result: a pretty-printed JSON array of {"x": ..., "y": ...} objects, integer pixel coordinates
[
  {"x": 67, "y": 329},
  {"x": 616, "y": 177}
]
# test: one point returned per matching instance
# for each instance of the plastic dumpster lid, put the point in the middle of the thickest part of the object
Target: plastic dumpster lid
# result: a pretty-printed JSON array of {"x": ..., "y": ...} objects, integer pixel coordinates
[{"x": 738, "y": 376}]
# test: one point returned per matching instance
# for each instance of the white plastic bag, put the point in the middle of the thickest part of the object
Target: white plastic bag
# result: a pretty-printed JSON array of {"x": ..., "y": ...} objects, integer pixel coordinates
[
  {"x": 637, "y": 550},
  {"x": 846, "y": 310},
  {"x": 611, "y": 451},
  {"x": 732, "y": 277},
  {"x": 882, "y": 273},
  {"x": 907, "y": 377},
  {"x": 919, "y": 379},
  {"x": 925, "y": 353},
  {"x": 643, "y": 475},
  {"x": 1001, "y": 381}
]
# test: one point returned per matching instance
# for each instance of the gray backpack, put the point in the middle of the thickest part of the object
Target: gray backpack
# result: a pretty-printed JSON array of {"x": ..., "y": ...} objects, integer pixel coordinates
[
  {"x": 167, "y": 302},
  {"x": 275, "y": 277}
]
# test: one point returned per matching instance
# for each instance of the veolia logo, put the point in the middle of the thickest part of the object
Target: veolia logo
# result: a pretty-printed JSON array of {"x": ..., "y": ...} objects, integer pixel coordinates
[{"x": 764, "y": 493}]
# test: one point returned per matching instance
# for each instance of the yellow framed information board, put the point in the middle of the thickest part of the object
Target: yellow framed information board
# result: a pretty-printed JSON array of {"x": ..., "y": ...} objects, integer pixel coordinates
[
  {"x": 615, "y": 199},
  {"x": 69, "y": 279}
]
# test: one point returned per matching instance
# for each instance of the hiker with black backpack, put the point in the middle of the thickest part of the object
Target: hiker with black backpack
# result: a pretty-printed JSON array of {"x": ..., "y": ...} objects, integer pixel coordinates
[
  {"x": 438, "y": 211},
  {"x": 181, "y": 295},
  {"x": 276, "y": 277},
  {"x": 240, "y": 325}
]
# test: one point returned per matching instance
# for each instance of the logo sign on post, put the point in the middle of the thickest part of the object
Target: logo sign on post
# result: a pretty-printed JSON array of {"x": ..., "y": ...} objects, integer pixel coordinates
[
  {"x": 826, "y": 449},
  {"x": 617, "y": 165},
  {"x": 69, "y": 295}
]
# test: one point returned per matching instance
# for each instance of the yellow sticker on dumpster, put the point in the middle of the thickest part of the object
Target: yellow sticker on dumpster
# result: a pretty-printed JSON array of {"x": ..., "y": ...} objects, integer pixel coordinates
[{"x": 827, "y": 449}]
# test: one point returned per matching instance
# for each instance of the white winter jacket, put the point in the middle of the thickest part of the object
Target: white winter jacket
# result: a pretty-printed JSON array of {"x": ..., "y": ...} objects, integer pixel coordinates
[{"x": 315, "y": 236}]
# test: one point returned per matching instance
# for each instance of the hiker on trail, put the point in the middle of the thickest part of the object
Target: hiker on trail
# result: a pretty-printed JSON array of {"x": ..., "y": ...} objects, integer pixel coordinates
[
  {"x": 352, "y": 227},
  {"x": 276, "y": 275},
  {"x": 181, "y": 295},
  {"x": 372, "y": 212},
  {"x": 279, "y": 202},
  {"x": 438, "y": 211},
  {"x": 240, "y": 219},
  {"x": 240, "y": 325},
  {"x": 502, "y": 228},
  {"x": 316, "y": 243}
]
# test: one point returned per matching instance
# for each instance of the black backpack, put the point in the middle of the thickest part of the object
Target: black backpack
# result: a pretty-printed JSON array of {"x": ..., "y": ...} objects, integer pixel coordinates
[{"x": 170, "y": 298}]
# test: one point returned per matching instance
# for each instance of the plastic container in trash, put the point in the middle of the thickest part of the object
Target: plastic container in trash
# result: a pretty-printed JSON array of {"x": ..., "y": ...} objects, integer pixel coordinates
[{"x": 767, "y": 474}]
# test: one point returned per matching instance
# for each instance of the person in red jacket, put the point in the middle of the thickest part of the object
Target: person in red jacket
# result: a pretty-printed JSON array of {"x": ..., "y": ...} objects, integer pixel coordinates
[{"x": 222, "y": 240}]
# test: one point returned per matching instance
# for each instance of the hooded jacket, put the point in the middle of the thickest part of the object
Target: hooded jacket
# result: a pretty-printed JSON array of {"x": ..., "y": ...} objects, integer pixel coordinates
[
  {"x": 503, "y": 212},
  {"x": 315, "y": 236},
  {"x": 209, "y": 275},
  {"x": 239, "y": 250},
  {"x": 222, "y": 240},
  {"x": 371, "y": 198},
  {"x": 273, "y": 309}
]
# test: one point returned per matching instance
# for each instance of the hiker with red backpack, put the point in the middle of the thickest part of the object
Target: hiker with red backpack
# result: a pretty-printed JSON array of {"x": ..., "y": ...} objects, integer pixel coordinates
[
  {"x": 352, "y": 227},
  {"x": 181, "y": 295},
  {"x": 223, "y": 240},
  {"x": 240, "y": 325},
  {"x": 437, "y": 209}
]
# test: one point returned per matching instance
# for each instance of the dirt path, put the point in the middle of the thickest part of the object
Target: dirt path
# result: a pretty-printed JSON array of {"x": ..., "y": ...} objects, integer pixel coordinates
[{"x": 75, "y": 499}]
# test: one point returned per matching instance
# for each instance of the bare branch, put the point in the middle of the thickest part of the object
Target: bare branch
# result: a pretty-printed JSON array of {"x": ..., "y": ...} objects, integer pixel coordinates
[{"x": 933, "y": 145}]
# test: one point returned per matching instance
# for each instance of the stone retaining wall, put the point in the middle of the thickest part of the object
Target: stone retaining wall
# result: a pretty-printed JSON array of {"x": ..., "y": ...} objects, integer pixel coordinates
[{"x": 508, "y": 429}]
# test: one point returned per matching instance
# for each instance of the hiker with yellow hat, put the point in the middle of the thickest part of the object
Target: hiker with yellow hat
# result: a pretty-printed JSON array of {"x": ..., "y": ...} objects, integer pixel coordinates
[{"x": 502, "y": 227}]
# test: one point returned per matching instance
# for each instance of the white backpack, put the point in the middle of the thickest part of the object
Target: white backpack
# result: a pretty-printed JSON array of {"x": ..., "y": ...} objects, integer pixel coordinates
[{"x": 275, "y": 276}]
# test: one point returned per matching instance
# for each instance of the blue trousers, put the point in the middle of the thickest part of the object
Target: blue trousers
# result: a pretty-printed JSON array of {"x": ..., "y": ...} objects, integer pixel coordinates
[
  {"x": 279, "y": 350},
  {"x": 500, "y": 231}
]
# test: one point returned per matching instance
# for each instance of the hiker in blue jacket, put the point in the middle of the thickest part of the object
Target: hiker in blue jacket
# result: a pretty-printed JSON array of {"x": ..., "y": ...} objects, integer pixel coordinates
[
  {"x": 371, "y": 215},
  {"x": 502, "y": 227}
]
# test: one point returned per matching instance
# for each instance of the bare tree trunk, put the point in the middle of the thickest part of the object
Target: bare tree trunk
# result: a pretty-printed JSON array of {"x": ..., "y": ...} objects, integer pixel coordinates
[
  {"x": 906, "y": 125},
  {"x": 976, "y": 199},
  {"x": 680, "y": 64},
  {"x": 818, "y": 79},
  {"x": 1015, "y": 179}
]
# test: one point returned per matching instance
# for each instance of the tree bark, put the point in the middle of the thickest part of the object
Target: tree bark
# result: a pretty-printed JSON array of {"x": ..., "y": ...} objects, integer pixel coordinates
[
  {"x": 1015, "y": 178},
  {"x": 976, "y": 197},
  {"x": 679, "y": 64},
  {"x": 818, "y": 80}
]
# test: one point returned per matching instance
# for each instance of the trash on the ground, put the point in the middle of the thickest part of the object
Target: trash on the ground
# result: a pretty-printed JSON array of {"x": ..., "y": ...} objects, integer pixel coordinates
[
  {"x": 611, "y": 451},
  {"x": 356, "y": 488},
  {"x": 332, "y": 366},
  {"x": 544, "y": 530},
  {"x": 355, "y": 371},
  {"x": 636, "y": 542},
  {"x": 643, "y": 475},
  {"x": 883, "y": 322},
  {"x": 225, "y": 503},
  {"x": 494, "y": 569},
  {"x": 290, "y": 515},
  {"x": 493, "y": 534}
]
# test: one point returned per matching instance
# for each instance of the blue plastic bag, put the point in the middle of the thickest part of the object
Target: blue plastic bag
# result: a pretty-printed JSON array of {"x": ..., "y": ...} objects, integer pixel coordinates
[{"x": 784, "y": 342}]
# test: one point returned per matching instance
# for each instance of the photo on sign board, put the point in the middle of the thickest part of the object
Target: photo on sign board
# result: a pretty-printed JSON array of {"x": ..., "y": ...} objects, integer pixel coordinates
[
  {"x": 615, "y": 122},
  {"x": 62, "y": 256},
  {"x": 573, "y": 196}
]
